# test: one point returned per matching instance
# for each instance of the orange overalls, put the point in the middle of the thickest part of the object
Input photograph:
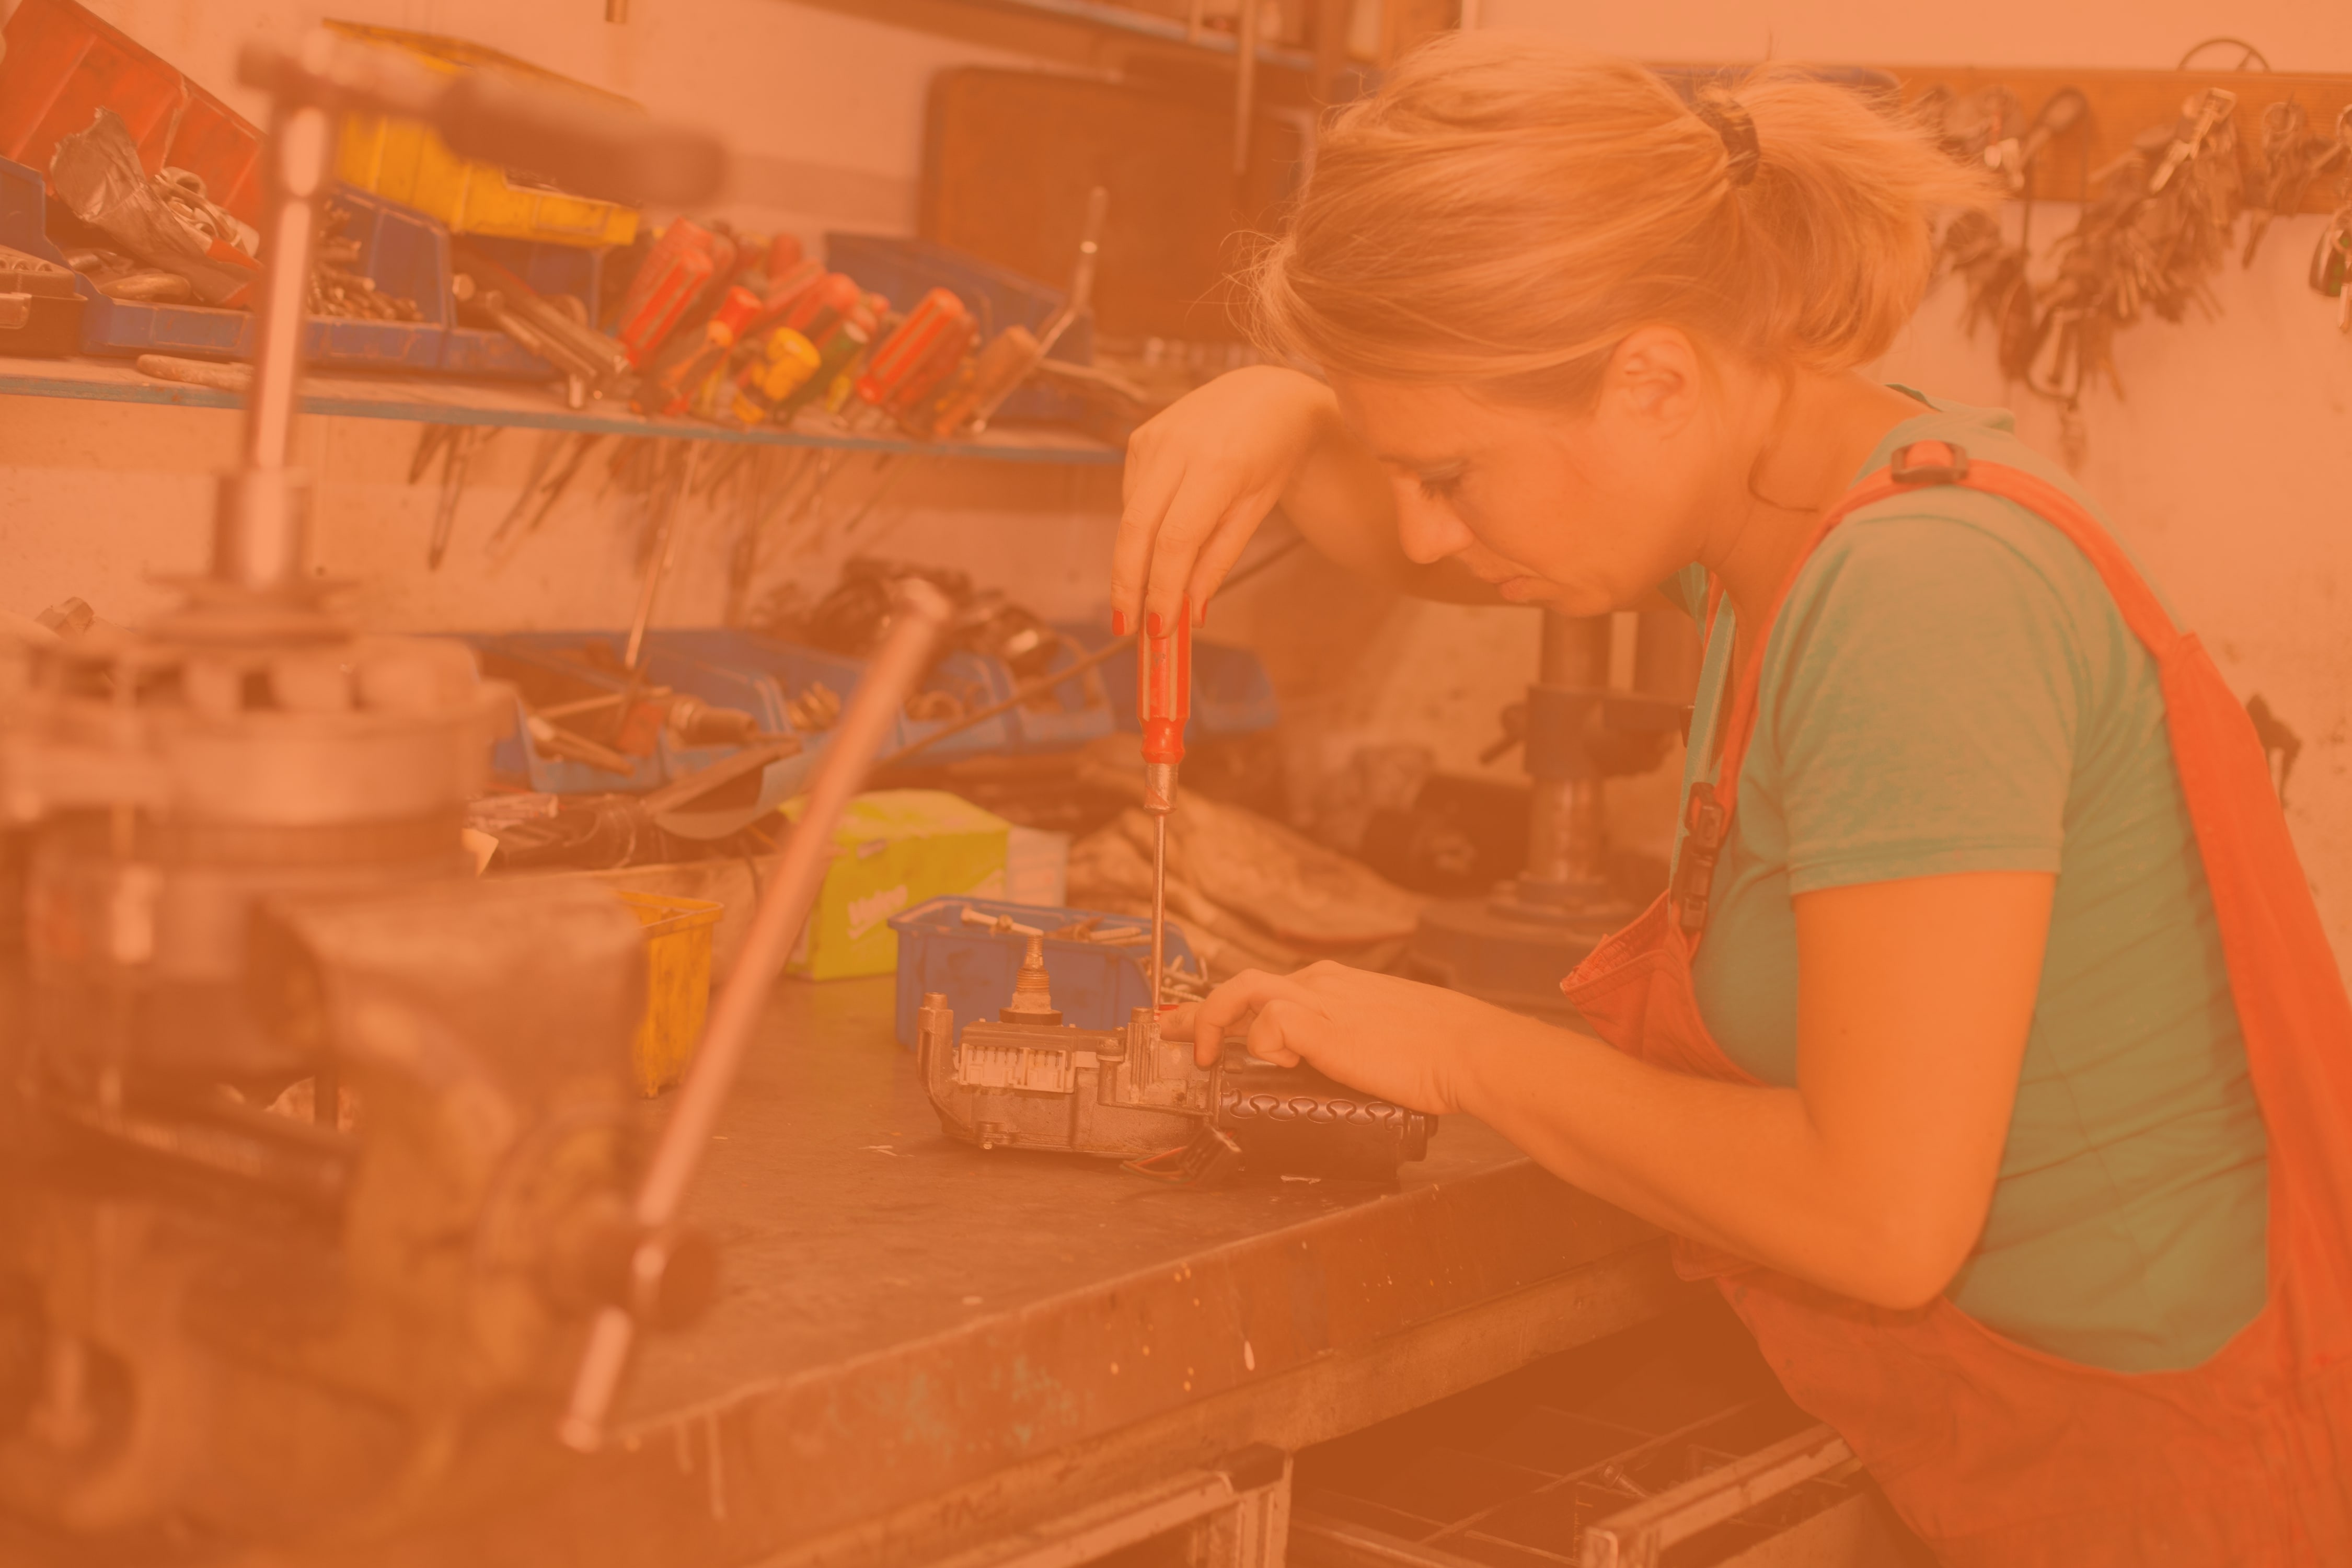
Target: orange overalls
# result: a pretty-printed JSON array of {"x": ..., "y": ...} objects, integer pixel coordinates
[{"x": 1999, "y": 1454}]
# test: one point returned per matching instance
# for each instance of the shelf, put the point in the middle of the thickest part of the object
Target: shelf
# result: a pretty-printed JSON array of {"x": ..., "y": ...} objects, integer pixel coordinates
[
  {"x": 1166, "y": 29},
  {"x": 427, "y": 402}
]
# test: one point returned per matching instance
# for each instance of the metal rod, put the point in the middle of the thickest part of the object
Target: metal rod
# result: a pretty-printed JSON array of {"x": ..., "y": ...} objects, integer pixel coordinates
[
  {"x": 665, "y": 556},
  {"x": 301, "y": 143},
  {"x": 922, "y": 613},
  {"x": 1159, "y": 899}
]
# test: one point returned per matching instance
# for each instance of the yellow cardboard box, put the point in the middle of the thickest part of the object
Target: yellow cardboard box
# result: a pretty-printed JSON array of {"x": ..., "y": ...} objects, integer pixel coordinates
[{"x": 894, "y": 849}]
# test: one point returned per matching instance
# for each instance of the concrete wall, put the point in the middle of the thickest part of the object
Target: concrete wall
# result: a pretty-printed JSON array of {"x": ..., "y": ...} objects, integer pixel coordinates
[{"x": 2229, "y": 467}]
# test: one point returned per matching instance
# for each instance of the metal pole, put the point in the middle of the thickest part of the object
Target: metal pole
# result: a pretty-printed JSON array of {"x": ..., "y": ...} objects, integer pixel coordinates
[
  {"x": 1565, "y": 822},
  {"x": 258, "y": 531},
  {"x": 922, "y": 613}
]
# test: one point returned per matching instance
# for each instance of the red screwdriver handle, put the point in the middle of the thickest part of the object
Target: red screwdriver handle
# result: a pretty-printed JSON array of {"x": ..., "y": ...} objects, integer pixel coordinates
[{"x": 1163, "y": 684}]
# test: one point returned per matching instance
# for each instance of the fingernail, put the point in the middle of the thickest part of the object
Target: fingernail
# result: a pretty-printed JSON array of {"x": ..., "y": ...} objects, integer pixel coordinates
[
  {"x": 1119, "y": 623},
  {"x": 1201, "y": 616},
  {"x": 1151, "y": 624}
]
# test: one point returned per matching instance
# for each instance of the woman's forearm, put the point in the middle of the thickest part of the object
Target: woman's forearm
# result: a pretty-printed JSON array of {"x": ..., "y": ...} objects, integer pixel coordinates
[{"x": 1738, "y": 1167}]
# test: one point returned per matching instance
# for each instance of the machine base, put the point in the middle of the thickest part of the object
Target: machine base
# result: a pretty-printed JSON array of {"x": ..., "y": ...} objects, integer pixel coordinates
[{"x": 1476, "y": 947}]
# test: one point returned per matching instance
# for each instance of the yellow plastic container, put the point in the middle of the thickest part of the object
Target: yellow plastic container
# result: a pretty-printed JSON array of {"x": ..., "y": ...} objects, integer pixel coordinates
[
  {"x": 407, "y": 163},
  {"x": 678, "y": 990}
]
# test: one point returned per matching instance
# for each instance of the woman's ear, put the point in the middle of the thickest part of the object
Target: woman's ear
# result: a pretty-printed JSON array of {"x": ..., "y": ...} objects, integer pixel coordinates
[{"x": 1655, "y": 379}]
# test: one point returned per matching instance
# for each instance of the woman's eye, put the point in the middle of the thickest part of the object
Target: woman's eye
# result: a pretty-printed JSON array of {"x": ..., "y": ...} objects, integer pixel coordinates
[{"x": 1440, "y": 486}]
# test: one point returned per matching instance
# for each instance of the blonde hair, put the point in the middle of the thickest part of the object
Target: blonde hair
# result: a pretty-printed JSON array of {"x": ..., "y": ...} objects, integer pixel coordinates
[{"x": 1506, "y": 208}]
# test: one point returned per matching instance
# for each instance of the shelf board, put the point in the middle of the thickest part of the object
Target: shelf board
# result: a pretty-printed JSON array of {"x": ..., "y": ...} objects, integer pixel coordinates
[
  {"x": 1119, "y": 19},
  {"x": 428, "y": 402}
]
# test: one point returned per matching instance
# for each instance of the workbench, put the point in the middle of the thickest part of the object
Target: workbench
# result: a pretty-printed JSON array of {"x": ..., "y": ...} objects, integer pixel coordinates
[{"x": 924, "y": 1353}]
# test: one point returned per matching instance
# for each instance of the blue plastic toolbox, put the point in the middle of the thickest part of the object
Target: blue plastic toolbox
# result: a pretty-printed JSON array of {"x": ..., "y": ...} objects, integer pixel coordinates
[
  {"x": 1067, "y": 717},
  {"x": 401, "y": 250},
  {"x": 404, "y": 252},
  {"x": 545, "y": 669},
  {"x": 1096, "y": 986},
  {"x": 1231, "y": 693},
  {"x": 905, "y": 270},
  {"x": 782, "y": 670}
]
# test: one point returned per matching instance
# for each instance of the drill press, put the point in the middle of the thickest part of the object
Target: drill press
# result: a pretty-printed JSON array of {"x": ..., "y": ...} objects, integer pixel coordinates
[{"x": 1513, "y": 946}]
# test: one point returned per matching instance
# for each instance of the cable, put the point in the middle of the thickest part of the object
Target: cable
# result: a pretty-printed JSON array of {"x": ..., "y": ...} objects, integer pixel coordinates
[{"x": 2251, "y": 54}]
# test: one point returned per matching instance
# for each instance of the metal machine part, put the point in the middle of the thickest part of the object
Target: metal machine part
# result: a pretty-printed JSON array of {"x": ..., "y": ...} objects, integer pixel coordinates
[
  {"x": 1579, "y": 732},
  {"x": 1026, "y": 1080},
  {"x": 246, "y": 891}
]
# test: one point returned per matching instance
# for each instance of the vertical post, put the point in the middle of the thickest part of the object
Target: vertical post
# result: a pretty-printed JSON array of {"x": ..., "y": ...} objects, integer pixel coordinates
[
  {"x": 1566, "y": 822},
  {"x": 1246, "y": 31},
  {"x": 259, "y": 526}
]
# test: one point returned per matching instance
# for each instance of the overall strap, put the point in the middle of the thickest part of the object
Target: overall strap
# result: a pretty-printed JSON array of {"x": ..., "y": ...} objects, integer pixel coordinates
[{"x": 1918, "y": 466}]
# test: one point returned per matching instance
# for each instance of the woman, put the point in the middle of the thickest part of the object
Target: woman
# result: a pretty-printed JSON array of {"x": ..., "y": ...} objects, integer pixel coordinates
[{"x": 2015, "y": 1128}]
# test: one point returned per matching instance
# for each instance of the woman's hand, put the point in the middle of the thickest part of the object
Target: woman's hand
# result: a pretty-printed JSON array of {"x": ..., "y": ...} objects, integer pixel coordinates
[
  {"x": 1400, "y": 1040},
  {"x": 1199, "y": 479}
]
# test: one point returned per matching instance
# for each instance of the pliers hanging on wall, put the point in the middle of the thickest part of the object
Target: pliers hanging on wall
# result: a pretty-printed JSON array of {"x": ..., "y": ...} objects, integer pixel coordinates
[{"x": 455, "y": 446}]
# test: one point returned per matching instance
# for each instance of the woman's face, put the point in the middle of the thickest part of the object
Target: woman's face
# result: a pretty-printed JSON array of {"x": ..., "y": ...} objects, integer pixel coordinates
[{"x": 1579, "y": 511}]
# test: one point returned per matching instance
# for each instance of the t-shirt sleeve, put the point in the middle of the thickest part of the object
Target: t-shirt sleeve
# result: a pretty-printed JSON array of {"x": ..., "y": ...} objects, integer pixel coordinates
[{"x": 1928, "y": 693}]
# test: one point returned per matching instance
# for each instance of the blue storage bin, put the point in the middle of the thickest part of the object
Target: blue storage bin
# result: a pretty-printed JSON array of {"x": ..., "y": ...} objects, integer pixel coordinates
[
  {"x": 559, "y": 651},
  {"x": 789, "y": 669},
  {"x": 1095, "y": 987},
  {"x": 403, "y": 250},
  {"x": 1231, "y": 693},
  {"x": 905, "y": 270},
  {"x": 1077, "y": 710}
]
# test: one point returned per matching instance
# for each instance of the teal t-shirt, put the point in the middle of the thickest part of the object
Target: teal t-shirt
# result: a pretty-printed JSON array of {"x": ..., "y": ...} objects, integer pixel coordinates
[{"x": 1950, "y": 688}]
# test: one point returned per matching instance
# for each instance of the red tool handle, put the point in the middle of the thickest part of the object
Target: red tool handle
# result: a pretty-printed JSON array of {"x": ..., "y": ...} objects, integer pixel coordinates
[
  {"x": 1163, "y": 684},
  {"x": 892, "y": 375}
]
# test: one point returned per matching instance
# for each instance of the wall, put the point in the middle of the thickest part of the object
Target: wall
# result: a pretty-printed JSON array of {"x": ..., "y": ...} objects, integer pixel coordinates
[{"x": 2228, "y": 468}]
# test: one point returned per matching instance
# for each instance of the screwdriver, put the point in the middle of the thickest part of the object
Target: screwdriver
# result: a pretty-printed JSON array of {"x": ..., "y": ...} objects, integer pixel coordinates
[{"x": 1163, "y": 699}]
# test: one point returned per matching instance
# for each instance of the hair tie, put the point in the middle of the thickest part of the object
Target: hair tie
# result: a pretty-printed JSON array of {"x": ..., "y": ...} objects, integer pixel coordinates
[{"x": 1725, "y": 117}]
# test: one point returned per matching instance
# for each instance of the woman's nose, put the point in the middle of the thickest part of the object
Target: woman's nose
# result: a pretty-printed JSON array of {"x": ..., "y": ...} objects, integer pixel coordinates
[{"x": 1428, "y": 530}]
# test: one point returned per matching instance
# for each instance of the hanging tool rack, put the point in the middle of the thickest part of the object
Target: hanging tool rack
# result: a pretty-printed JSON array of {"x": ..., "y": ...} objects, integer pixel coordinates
[{"x": 2124, "y": 104}]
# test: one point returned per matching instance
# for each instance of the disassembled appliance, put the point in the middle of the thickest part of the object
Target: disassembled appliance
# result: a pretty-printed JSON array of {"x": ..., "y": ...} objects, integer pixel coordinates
[{"x": 1026, "y": 1080}]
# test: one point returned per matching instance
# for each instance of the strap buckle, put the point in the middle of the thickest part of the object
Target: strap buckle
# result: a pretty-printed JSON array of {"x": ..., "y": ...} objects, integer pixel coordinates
[
  {"x": 1928, "y": 463},
  {"x": 1708, "y": 826}
]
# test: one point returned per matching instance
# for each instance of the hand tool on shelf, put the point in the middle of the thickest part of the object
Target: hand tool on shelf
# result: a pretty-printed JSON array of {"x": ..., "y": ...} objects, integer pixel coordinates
[
  {"x": 1013, "y": 355},
  {"x": 1163, "y": 701},
  {"x": 457, "y": 446},
  {"x": 782, "y": 910},
  {"x": 909, "y": 364},
  {"x": 664, "y": 555},
  {"x": 672, "y": 277},
  {"x": 1029, "y": 690},
  {"x": 542, "y": 325},
  {"x": 682, "y": 367},
  {"x": 547, "y": 484},
  {"x": 787, "y": 361}
]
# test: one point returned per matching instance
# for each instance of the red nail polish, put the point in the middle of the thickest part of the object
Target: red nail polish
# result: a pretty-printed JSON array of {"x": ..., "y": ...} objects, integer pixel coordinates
[
  {"x": 1151, "y": 624},
  {"x": 1119, "y": 623}
]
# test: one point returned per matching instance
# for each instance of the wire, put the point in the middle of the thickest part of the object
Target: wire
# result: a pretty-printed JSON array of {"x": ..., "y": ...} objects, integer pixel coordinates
[{"x": 2251, "y": 55}]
